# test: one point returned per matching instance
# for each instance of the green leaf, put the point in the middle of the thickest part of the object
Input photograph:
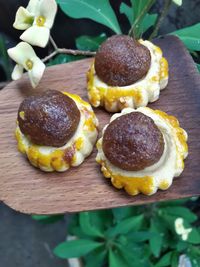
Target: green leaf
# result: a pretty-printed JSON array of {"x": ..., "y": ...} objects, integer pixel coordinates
[
  {"x": 91, "y": 43},
  {"x": 194, "y": 236},
  {"x": 129, "y": 256},
  {"x": 73, "y": 223},
  {"x": 174, "y": 259},
  {"x": 4, "y": 58},
  {"x": 193, "y": 254},
  {"x": 190, "y": 36},
  {"x": 103, "y": 219},
  {"x": 183, "y": 212},
  {"x": 47, "y": 218},
  {"x": 181, "y": 246},
  {"x": 127, "y": 11},
  {"x": 74, "y": 227},
  {"x": 87, "y": 226},
  {"x": 75, "y": 248},
  {"x": 99, "y": 11},
  {"x": 156, "y": 241},
  {"x": 122, "y": 239},
  {"x": 140, "y": 9},
  {"x": 98, "y": 256},
  {"x": 122, "y": 213},
  {"x": 126, "y": 226},
  {"x": 115, "y": 260},
  {"x": 198, "y": 67},
  {"x": 176, "y": 202},
  {"x": 137, "y": 6},
  {"x": 165, "y": 260},
  {"x": 191, "y": 43},
  {"x": 141, "y": 254},
  {"x": 138, "y": 15},
  {"x": 168, "y": 220},
  {"x": 139, "y": 236},
  {"x": 77, "y": 231},
  {"x": 148, "y": 21},
  {"x": 192, "y": 259},
  {"x": 62, "y": 59}
]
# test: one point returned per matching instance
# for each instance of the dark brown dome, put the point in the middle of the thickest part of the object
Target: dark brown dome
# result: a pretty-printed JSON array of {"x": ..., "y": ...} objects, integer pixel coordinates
[
  {"x": 50, "y": 118},
  {"x": 133, "y": 142},
  {"x": 122, "y": 61}
]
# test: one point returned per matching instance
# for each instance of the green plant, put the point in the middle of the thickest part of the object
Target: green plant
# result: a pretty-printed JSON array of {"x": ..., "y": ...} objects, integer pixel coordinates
[
  {"x": 47, "y": 219},
  {"x": 144, "y": 235},
  {"x": 191, "y": 39},
  {"x": 133, "y": 236}
]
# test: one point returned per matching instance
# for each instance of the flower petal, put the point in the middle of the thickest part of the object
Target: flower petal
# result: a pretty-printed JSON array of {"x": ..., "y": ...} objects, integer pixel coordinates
[
  {"x": 21, "y": 53},
  {"x": 178, "y": 2},
  {"x": 33, "y": 6},
  {"x": 179, "y": 228},
  {"x": 48, "y": 9},
  {"x": 35, "y": 35},
  {"x": 17, "y": 72},
  {"x": 186, "y": 233},
  {"x": 37, "y": 71},
  {"x": 23, "y": 19}
]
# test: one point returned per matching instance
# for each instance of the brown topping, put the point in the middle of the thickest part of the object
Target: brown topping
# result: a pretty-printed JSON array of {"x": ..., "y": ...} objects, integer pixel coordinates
[
  {"x": 50, "y": 118},
  {"x": 133, "y": 142},
  {"x": 122, "y": 61},
  {"x": 69, "y": 155}
]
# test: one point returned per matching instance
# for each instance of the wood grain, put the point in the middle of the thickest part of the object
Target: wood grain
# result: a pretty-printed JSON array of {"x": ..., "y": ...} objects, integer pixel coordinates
[{"x": 29, "y": 190}]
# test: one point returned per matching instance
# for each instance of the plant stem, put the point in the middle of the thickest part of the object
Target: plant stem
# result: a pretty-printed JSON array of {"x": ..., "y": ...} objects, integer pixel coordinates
[
  {"x": 66, "y": 51},
  {"x": 132, "y": 31},
  {"x": 47, "y": 58},
  {"x": 160, "y": 18},
  {"x": 53, "y": 43}
]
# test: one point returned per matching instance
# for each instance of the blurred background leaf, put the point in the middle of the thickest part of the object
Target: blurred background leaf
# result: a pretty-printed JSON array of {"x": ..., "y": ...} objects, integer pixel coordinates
[
  {"x": 62, "y": 59},
  {"x": 99, "y": 11},
  {"x": 91, "y": 43},
  {"x": 190, "y": 36},
  {"x": 75, "y": 248},
  {"x": 47, "y": 218},
  {"x": 5, "y": 61},
  {"x": 140, "y": 13}
]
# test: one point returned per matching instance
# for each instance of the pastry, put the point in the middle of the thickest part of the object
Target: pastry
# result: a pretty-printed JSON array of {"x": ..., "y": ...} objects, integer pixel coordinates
[
  {"x": 56, "y": 130},
  {"x": 142, "y": 150},
  {"x": 126, "y": 73}
]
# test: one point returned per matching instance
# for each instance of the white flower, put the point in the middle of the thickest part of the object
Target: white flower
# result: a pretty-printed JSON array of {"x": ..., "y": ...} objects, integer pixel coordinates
[
  {"x": 181, "y": 230},
  {"x": 178, "y": 2},
  {"x": 25, "y": 16},
  {"x": 25, "y": 57},
  {"x": 36, "y": 19}
]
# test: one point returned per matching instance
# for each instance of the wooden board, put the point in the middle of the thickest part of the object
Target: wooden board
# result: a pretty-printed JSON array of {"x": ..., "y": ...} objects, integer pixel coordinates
[{"x": 29, "y": 190}]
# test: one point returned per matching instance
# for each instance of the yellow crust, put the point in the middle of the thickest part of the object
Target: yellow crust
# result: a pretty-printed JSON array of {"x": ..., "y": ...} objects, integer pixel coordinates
[
  {"x": 164, "y": 68},
  {"x": 112, "y": 94},
  {"x": 59, "y": 159},
  {"x": 132, "y": 185},
  {"x": 146, "y": 184}
]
